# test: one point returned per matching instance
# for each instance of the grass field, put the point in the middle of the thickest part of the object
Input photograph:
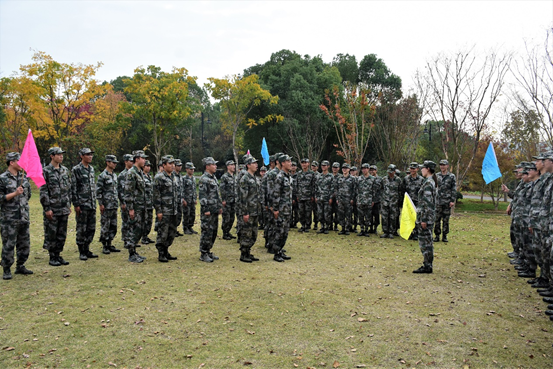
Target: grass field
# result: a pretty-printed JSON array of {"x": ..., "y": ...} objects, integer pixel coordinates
[{"x": 342, "y": 302}]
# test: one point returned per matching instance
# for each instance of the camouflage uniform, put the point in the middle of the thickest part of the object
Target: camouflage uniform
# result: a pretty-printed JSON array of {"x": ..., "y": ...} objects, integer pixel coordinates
[
  {"x": 268, "y": 190},
  {"x": 389, "y": 206},
  {"x": 180, "y": 191},
  {"x": 227, "y": 188},
  {"x": 447, "y": 193},
  {"x": 426, "y": 213},
  {"x": 281, "y": 201},
  {"x": 121, "y": 179},
  {"x": 14, "y": 218},
  {"x": 523, "y": 214},
  {"x": 305, "y": 194},
  {"x": 260, "y": 210},
  {"x": 324, "y": 193},
  {"x": 190, "y": 196},
  {"x": 248, "y": 198},
  {"x": 345, "y": 194},
  {"x": 55, "y": 196},
  {"x": 335, "y": 215},
  {"x": 365, "y": 189},
  {"x": 83, "y": 195},
  {"x": 314, "y": 210},
  {"x": 106, "y": 193},
  {"x": 210, "y": 202},
  {"x": 411, "y": 185},
  {"x": 294, "y": 219},
  {"x": 166, "y": 202},
  {"x": 377, "y": 195},
  {"x": 536, "y": 222}
]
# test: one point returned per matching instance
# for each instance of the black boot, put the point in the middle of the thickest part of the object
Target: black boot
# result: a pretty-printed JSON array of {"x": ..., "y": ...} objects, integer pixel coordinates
[
  {"x": 444, "y": 238},
  {"x": 252, "y": 258},
  {"x": 205, "y": 257},
  {"x": 244, "y": 257},
  {"x": 105, "y": 249},
  {"x": 437, "y": 238},
  {"x": 278, "y": 258},
  {"x": 322, "y": 230},
  {"x": 61, "y": 260},
  {"x": 134, "y": 257},
  {"x": 423, "y": 269},
  {"x": 227, "y": 236},
  {"x": 54, "y": 260},
  {"x": 82, "y": 253},
  {"x": 20, "y": 269},
  {"x": 162, "y": 256},
  {"x": 169, "y": 256},
  {"x": 7, "y": 273},
  {"x": 113, "y": 248}
]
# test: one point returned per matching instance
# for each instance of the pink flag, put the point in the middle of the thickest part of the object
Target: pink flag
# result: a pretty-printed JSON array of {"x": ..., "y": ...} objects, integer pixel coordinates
[
  {"x": 248, "y": 153},
  {"x": 30, "y": 161}
]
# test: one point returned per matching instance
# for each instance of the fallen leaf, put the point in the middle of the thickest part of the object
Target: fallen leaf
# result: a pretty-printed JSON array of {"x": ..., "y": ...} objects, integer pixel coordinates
[
  {"x": 8, "y": 348},
  {"x": 249, "y": 332},
  {"x": 336, "y": 364},
  {"x": 112, "y": 364},
  {"x": 362, "y": 320}
]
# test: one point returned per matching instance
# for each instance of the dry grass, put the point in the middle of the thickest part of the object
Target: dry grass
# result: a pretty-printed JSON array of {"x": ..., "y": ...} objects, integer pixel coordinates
[{"x": 346, "y": 301}]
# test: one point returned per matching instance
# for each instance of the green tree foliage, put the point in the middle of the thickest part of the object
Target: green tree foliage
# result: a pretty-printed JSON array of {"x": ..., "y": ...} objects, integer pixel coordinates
[
  {"x": 347, "y": 65},
  {"x": 378, "y": 78},
  {"x": 522, "y": 132}
]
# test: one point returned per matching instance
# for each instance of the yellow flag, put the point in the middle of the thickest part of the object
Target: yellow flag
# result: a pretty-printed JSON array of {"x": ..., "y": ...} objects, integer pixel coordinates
[{"x": 408, "y": 217}]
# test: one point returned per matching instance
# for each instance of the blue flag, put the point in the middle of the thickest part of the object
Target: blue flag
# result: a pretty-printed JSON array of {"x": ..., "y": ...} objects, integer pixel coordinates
[
  {"x": 490, "y": 168},
  {"x": 265, "y": 152}
]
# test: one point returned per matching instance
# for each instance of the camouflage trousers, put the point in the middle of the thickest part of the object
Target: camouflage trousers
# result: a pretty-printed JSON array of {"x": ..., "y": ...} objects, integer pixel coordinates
[
  {"x": 189, "y": 215},
  {"x": 525, "y": 242},
  {"x": 55, "y": 233},
  {"x": 209, "y": 226},
  {"x": 512, "y": 234},
  {"x": 136, "y": 228},
  {"x": 124, "y": 225},
  {"x": 354, "y": 215},
  {"x": 334, "y": 211},
  {"x": 166, "y": 232},
  {"x": 179, "y": 214},
  {"x": 443, "y": 213},
  {"x": 248, "y": 233},
  {"x": 542, "y": 251},
  {"x": 229, "y": 213},
  {"x": 324, "y": 211},
  {"x": 344, "y": 214},
  {"x": 148, "y": 221},
  {"x": 280, "y": 232},
  {"x": 375, "y": 215},
  {"x": 86, "y": 226},
  {"x": 315, "y": 212},
  {"x": 261, "y": 219},
  {"x": 305, "y": 209},
  {"x": 108, "y": 222},
  {"x": 426, "y": 244},
  {"x": 15, "y": 236},
  {"x": 294, "y": 219},
  {"x": 389, "y": 215},
  {"x": 364, "y": 213}
]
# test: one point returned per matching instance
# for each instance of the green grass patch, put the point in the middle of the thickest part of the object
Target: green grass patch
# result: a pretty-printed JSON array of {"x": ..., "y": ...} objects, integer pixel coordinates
[
  {"x": 342, "y": 300},
  {"x": 474, "y": 205}
]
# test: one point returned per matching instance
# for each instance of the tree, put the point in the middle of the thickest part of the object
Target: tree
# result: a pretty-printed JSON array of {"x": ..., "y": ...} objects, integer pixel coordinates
[
  {"x": 522, "y": 132},
  {"x": 237, "y": 97},
  {"x": 378, "y": 78},
  {"x": 352, "y": 115},
  {"x": 347, "y": 65},
  {"x": 161, "y": 101},
  {"x": 463, "y": 88}
]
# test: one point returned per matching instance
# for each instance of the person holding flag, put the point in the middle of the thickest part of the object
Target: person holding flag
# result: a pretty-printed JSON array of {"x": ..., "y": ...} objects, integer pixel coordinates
[{"x": 426, "y": 215}]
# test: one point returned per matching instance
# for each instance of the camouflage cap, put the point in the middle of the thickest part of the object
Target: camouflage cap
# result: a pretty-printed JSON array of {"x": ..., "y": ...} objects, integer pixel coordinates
[
  {"x": 294, "y": 164},
  {"x": 444, "y": 162},
  {"x": 112, "y": 158},
  {"x": 55, "y": 151},
  {"x": 531, "y": 166},
  {"x": 272, "y": 158},
  {"x": 391, "y": 168},
  {"x": 85, "y": 151},
  {"x": 189, "y": 165},
  {"x": 304, "y": 160},
  {"x": 540, "y": 156},
  {"x": 325, "y": 162},
  {"x": 147, "y": 163},
  {"x": 13, "y": 156},
  {"x": 282, "y": 158},
  {"x": 373, "y": 167},
  {"x": 429, "y": 164},
  {"x": 167, "y": 159},
  {"x": 229, "y": 162},
  {"x": 263, "y": 169},
  {"x": 365, "y": 166},
  {"x": 398, "y": 171},
  {"x": 315, "y": 163},
  {"x": 335, "y": 165},
  {"x": 548, "y": 155},
  {"x": 209, "y": 161},
  {"x": 127, "y": 157},
  {"x": 250, "y": 160},
  {"x": 178, "y": 163},
  {"x": 346, "y": 166},
  {"x": 522, "y": 164},
  {"x": 241, "y": 166},
  {"x": 414, "y": 165},
  {"x": 354, "y": 168},
  {"x": 139, "y": 154}
]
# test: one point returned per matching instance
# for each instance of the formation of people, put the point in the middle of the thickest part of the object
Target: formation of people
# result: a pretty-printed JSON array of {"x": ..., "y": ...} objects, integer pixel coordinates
[
  {"x": 532, "y": 223},
  {"x": 273, "y": 199}
]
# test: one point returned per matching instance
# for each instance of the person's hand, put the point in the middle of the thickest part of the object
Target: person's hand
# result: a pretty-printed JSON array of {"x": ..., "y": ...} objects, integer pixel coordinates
[
  {"x": 246, "y": 218},
  {"x": 19, "y": 191},
  {"x": 124, "y": 207},
  {"x": 451, "y": 204},
  {"x": 504, "y": 188},
  {"x": 131, "y": 214},
  {"x": 50, "y": 215},
  {"x": 78, "y": 210},
  {"x": 184, "y": 203},
  {"x": 220, "y": 211},
  {"x": 102, "y": 208},
  {"x": 423, "y": 225},
  {"x": 159, "y": 216},
  {"x": 275, "y": 213},
  {"x": 531, "y": 230},
  {"x": 224, "y": 203},
  {"x": 207, "y": 213}
]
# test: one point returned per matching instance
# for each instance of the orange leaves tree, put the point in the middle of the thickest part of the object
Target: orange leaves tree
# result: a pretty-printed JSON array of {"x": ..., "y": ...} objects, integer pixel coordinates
[{"x": 352, "y": 114}]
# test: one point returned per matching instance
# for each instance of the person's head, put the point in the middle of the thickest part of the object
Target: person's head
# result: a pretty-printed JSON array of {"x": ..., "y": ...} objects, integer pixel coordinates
[
  {"x": 353, "y": 171},
  {"x": 345, "y": 169},
  {"x": 548, "y": 162},
  {"x": 294, "y": 166},
  {"x": 111, "y": 162},
  {"x": 189, "y": 167},
  {"x": 365, "y": 169},
  {"x": 168, "y": 163},
  {"x": 12, "y": 161},
  {"x": 533, "y": 172},
  {"x": 56, "y": 155},
  {"x": 231, "y": 166},
  {"x": 444, "y": 166},
  {"x": 262, "y": 171},
  {"x": 86, "y": 155},
  {"x": 285, "y": 162},
  {"x": 128, "y": 159},
  {"x": 428, "y": 168},
  {"x": 210, "y": 165},
  {"x": 251, "y": 165},
  {"x": 305, "y": 164},
  {"x": 315, "y": 166},
  {"x": 414, "y": 168},
  {"x": 324, "y": 166},
  {"x": 147, "y": 167},
  {"x": 139, "y": 158},
  {"x": 335, "y": 167},
  {"x": 372, "y": 170},
  {"x": 391, "y": 170},
  {"x": 178, "y": 165}
]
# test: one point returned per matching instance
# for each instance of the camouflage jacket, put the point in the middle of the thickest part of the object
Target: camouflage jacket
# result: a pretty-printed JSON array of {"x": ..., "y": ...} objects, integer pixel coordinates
[
  {"x": 16, "y": 209},
  {"x": 55, "y": 195},
  {"x": 305, "y": 184},
  {"x": 390, "y": 191},
  {"x": 189, "y": 189},
  {"x": 345, "y": 188},
  {"x": 537, "y": 201},
  {"x": 294, "y": 183},
  {"x": 335, "y": 184},
  {"x": 106, "y": 190},
  {"x": 365, "y": 189},
  {"x": 259, "y": 181},
  {"x": 180, "y": 184},
  {"x": 515, "y": 196},
  {"x": 165, "y": 195},
  {"x": 134, "y": 194},
  {"x": 524, "y": 208},
  {"x": 545, "y": 212},
  {"x": 268, "y": 189},
  {"x": 210, "y": 201},
  {"x": 412, "y": 186},
  {"x": 121, "y": 179},
  {"x": 426, "y": 200},
  {"x": 377, "y": 189},
  {"x": 325, "y": 187},
  {"x": 248, "y": 195},
  {"x": 227, "y": 187},
  {"x": 282, "y": 194},
  {"x": 447, "y": 188},
  {"x": 83, "y": 187},
  {"x": 149, "y": 183}
]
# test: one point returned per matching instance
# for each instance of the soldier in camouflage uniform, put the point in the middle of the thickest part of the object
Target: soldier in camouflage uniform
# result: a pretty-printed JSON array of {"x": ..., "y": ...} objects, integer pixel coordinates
[
  {"x": 365, "y": 188},
  {"x": 447, "y": 195},
  {"x": 166, "y": 201},
  {"x": 511, "y": 211},
  {"x": 345, "y": 196},
  {"x": 323, "y": 197},
  {"x": 281, "y": 207},
  {"x": 335, "y": 216},
  {"x": 211, "y": 207},
  {"x": 305, "y": 194},
  {"x": 315, "y": 170},
  {"x": 529, "y": 264},
  {"x": 267, "y": 190},
  {"x": 262, "y": 213},
  {"x": 149, "y": 204},
  {"x": 83, "y": 197},
  {"x": 411, "y": 184},
  {"x": 295, "y": 208},
  {"x": 389, "y": 208},
  {"x": 426, "y": 215},
  {"x": 121, "y": 179},
  {"x": 248, "y": 200},
  {"x": 55, "y": 197},
  {"x": 377, "y": 195},
  {"x": 134, "y": 196},
  {"x": 15, "y": 192},
  {"x": 242, "y": 172},
  {"x": 106, "y": 193},
  {"x": 227, "y": 188},
  {"x": 354, "y": 215},
  {"x": 190, "y": 199},
  {"x": 178, "y": 179}
]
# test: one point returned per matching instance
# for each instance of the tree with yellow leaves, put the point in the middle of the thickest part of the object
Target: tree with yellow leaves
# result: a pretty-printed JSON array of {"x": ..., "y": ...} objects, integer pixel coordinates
[{"x": 238, "y": 96}]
